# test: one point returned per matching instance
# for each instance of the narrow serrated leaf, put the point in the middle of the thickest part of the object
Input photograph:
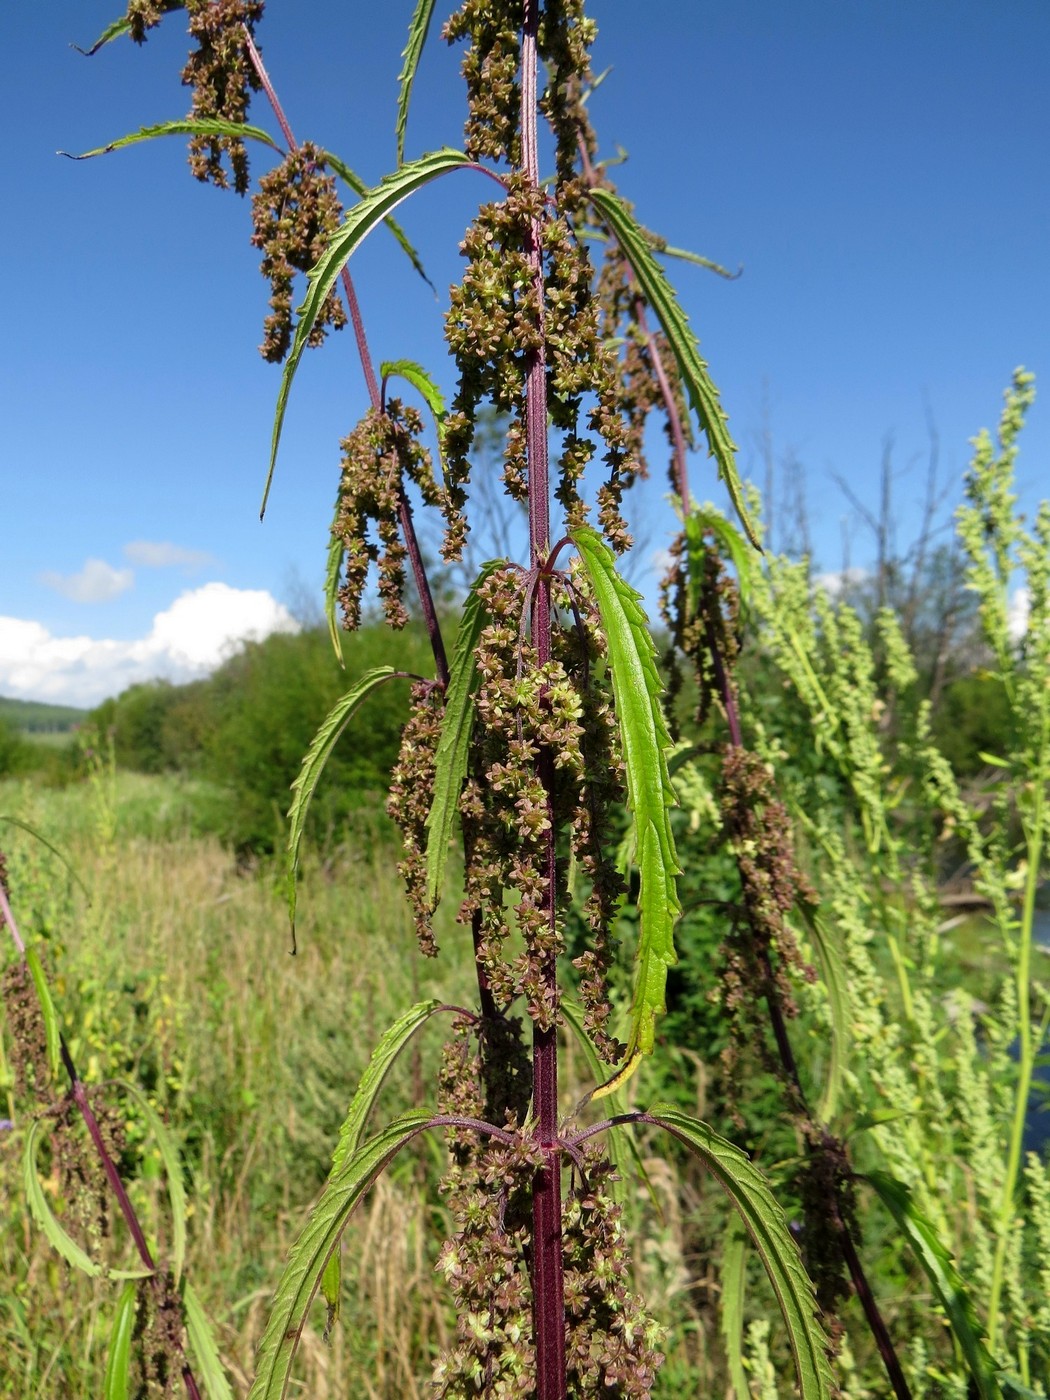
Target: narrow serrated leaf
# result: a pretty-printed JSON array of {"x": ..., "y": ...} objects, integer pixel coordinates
[
  {"x": 56, "y": 1234},
  {"x": 204, "y": 1347},
  {"x": 660, "y": 295},
  {"x": 186, "y": 126},
  {"x": 767, "y": 1226},
  {"x": 52, "y": 1034},
  {"x": 118, "y": 1352},
  {"x": 696, "y": 521},
  {"x": 417, "y": 37},
  {"x": 383, "y": 1057},
  {"x": 644, "y": 739},
  {"x": 374, "y": 207},
  {"x": 332, "y": 1292},
  {"x": 734, "y": 1258},
  {"x": 833, "y": 975},
  {"x": 937, "y": 1264},
  {"x": 317, "y": 756},
  {"x": 417, "y": 376},
  {"x": 121, "y": 26},
  {"x": 333, "y": 568},
  {"x": 450, "y": 762},
  {"x": 169, "y": 1156},
  {"x": 684, "y": 255},
  {"x": 361, "y": 187},
  {"x": 310, "y": 1254}
]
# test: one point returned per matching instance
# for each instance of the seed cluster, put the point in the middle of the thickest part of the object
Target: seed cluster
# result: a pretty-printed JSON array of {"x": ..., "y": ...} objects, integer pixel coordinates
[
  {"x": 408, "y": 802},
  {"x": 379, "y": 456},
  {"x": 294, "y": 214},
  {"x": 222, "y": 77},
  {"x": 760, "y": 951},
  {"x": 611, "y": 1344}
]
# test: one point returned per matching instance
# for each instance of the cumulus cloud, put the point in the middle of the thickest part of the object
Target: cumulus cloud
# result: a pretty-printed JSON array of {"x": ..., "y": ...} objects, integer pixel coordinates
[
  {"x": 189, "y": 639},
  {"x": 97, "y": 582},
  {"x": 161, "y": 554},
  {"x": 1017, "y": 613}
]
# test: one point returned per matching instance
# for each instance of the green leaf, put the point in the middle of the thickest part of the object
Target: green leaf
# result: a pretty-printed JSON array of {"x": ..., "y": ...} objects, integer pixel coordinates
[
  {"x": 332, "y": 1291},
  {"x": 734, "y": 1258},
  {"x": 417, "y": 376},
  {"x": 939, "y": 1268},
  {"x": 52, "y": 1034},
  {"x": 118, "y": 1353},
  {"x": 383, "y": 1057},
  {"x": 58, "y": 1237},
  {"x": 698, "y": 520},
  {"x": 186, "y": 126},
  {"x": 574, "y": 1017},
  {"x": 121, "y": 26},
  {"x": 684, "y": 255},
  {"x": 204, "y": 1347},
  {"x": 659, "y": 293},
  {"x": 312, "y": 1250},
  {"x": 450, "y": 763},
  {"x": 378, "y": 204},
  {"x": 645, "y": 741},
  {"x": 361, "y": 187},
  {"x": 317, "y": 755},
  {"x": 765, "y": 1222},
  {"x": 417, "y": 37},
  {"x": 333, "y": 567},
  {"x": 169, "y": 1155},
  {"x": 833, "y": 974},
  {"x": 419, "y": 379}
]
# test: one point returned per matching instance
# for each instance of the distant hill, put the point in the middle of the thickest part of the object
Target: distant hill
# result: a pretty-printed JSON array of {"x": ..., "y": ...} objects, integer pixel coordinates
[{"x": 34, "y": 717}]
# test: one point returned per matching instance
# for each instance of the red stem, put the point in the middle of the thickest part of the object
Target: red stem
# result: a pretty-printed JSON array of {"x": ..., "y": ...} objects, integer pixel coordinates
[{"x": 548, "y": 1284}]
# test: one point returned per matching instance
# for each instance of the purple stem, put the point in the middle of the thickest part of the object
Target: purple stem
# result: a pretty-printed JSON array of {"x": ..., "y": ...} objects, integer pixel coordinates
[{"x": 548, "y": 1283}]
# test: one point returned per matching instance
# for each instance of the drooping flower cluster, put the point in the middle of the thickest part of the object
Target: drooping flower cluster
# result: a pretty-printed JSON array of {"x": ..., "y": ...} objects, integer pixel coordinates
[
  {"x": 294, "y": 214},
  {"x": 761, "y": 953},
  {"x": 222, "y": 77},
  {"x": 381, "y": 454},
  {"x": 700, "y": 604}
]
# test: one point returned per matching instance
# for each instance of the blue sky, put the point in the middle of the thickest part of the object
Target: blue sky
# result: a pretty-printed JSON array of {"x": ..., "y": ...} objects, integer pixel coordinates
[{"x": 878, "y": 169}]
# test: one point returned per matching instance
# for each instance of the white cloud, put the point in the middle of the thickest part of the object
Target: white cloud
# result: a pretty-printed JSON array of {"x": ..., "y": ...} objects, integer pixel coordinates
[
  {"x": 841, "y": 580},
  {"x": 161, "y": 554},
  {"x": 200, "y": 629},
  {"x": 1017, "y": 613},
  {"x": 97, "y": 582}
]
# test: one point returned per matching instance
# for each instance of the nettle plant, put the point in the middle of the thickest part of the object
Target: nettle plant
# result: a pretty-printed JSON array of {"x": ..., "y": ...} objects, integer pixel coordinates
[{"x": 540, "y": 738}]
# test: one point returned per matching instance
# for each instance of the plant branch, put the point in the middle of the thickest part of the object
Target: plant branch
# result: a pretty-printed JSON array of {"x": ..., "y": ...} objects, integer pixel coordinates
[{"x": 408, "y": 529}]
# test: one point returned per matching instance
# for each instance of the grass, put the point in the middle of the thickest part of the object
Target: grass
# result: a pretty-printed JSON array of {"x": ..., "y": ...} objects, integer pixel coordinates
[{"x": 173, "y": 970}]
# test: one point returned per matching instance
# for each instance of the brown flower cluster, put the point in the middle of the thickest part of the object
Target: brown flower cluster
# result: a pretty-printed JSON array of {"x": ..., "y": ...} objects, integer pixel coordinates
[
  {"x": 409, "y": 798},
  {"x": 379, "y": 456},
  {"x": 611, "y": 1343},
  {"x": 147, "y": 14},
  {"x": 528, "y": 716},
  {"x": 222, "y": 77},
  {"x": 294, "y": 215},
  {"x": 495, "y": 327},
  {"x": 829, "y": 1211},
  {"x": 761, "y": 951},
  {"x": 700, "y": 604}
]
